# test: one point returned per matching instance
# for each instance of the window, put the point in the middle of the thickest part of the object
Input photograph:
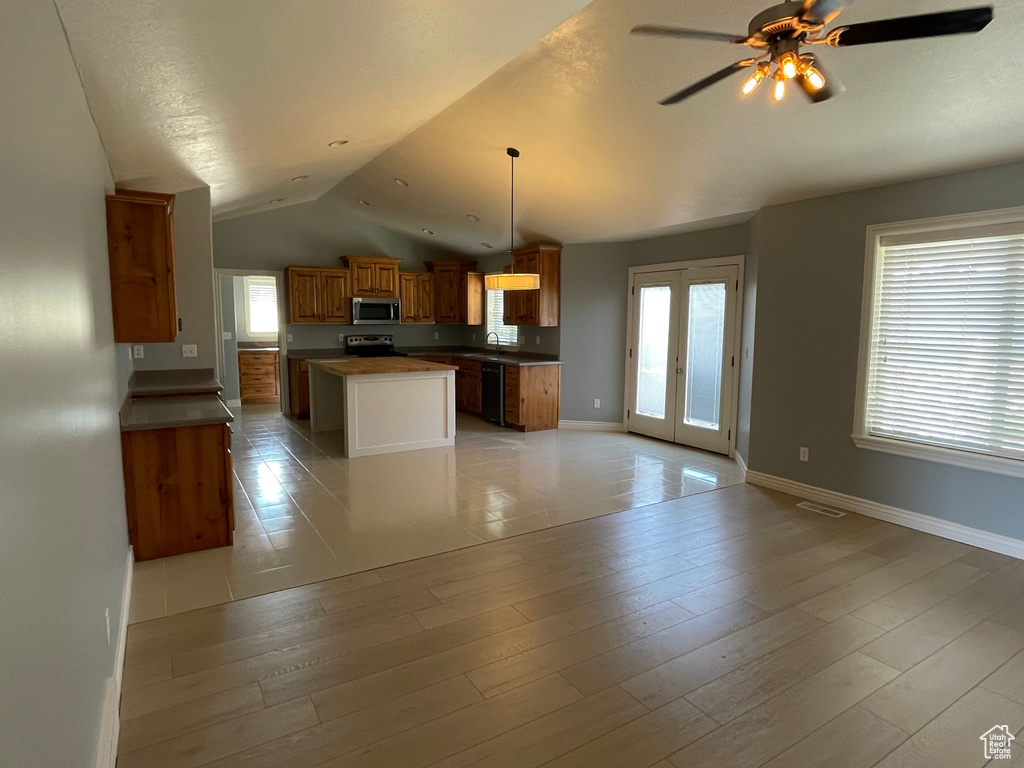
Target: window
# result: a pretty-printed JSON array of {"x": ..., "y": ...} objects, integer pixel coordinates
[
  {"x": 260, "y": 307},
  {"x": 942, "y": 348},
  {"x": 508, "y": 335}
]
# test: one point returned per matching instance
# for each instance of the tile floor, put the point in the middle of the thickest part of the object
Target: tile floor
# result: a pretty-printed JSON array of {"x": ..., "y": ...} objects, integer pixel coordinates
[{"x": 305, "y": 514}]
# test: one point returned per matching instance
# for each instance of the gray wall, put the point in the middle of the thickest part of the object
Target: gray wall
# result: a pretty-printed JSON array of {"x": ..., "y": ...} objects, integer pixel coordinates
[
  {"x": 229, "y": 377},
  {"x": 595, "y": 300},
  {"x": 64, "y": 543},
  {"x": 809, "y": 286},
  {"x": 193, "y": 276}
]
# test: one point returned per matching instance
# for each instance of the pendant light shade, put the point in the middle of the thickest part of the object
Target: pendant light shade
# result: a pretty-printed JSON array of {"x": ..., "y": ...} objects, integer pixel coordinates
[{"x": 512, "y": 281}]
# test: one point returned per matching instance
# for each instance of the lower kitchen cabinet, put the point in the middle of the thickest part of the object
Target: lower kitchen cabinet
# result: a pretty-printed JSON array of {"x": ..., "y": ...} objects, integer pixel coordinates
[
  {"x": 259, "y": 377},
  {"x": 178, "y": 489},
  {"x": 298, "y": 389},
  {"x": 532, "y": 395},
  {"x": 468, "y": 385}
]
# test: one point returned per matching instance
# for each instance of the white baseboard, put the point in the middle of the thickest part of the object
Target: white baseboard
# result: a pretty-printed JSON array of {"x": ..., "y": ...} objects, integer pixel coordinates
[
  {"x": 742, "y": 465},
  {"x": 233, "y": 403},
  {"x": 110, "y": 724},
  {"x": 593, "y": 426},
  {"x": 926, "y": 523}
]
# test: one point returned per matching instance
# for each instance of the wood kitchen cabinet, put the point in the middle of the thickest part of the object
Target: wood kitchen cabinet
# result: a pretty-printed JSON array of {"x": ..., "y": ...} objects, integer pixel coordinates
[
  {"x": 416, "y": 291},
  {"x": 532, "y": 395},
  {"x": 468, "y": 385},
  {"x": 178, "y": 489},
  {"x": 540, "y": 308},
  {"x": 140, "y": 244},
  {"x": 458, "y": 292},
  {"x": 259, "y": 377},
  {"x": 373, "y": 276},
  {"x": 319, "y": 295},
  {"x": 298, "y": 389}
]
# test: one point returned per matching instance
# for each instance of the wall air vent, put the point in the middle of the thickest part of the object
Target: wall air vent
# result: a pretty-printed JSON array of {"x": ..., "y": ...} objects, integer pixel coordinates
[{"x": 827, "y": 511}]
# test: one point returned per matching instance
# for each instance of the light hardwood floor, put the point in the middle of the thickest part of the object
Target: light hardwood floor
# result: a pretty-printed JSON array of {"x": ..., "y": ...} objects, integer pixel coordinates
[{"x": 726, "y": 629}]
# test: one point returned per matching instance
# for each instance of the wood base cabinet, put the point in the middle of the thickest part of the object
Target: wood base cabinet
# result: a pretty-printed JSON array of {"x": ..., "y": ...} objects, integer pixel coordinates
[
  {"x": 298, "y": 389},
  {"x": 259, "y": 377},
  {"x": 178, "y": 489},
  {"x": 532, "y": 396},
  {"x": 468, "y": 385}
]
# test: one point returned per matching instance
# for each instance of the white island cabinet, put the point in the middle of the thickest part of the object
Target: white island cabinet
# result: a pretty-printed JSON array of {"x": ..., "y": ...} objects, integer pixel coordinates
[{"x": 383, "y": 404}]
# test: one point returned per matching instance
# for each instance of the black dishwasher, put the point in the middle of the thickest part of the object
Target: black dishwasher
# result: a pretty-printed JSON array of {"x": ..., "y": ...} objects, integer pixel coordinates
[{"x": 493, "y": 392}]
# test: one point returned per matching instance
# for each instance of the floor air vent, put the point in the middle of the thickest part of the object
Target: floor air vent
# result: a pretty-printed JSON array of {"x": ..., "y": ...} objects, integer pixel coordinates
[{"x": 828, "y": 511}]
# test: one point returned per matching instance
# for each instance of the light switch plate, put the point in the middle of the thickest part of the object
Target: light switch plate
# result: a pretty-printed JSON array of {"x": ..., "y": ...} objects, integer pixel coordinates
[
  {"x": 189, "y": 350},
  {"x": 290, "y": 338},
  {"x": 538, "y": 339},
  {"x": 437, "y": 336},
  {"x": 805, "y": 454},
  {"x": 597, "y": 402},
  {"x": 226, "y": 335}
]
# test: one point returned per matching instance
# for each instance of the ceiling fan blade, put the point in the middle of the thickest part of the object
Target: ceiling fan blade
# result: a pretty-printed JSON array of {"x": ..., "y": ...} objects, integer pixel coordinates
[
  {"x": 690, "y": 34},
  {"x": 707, "y": 82},
  {"x": 960, "y": 22},
  {"x": 831, "y": 88},
  {"x": 822, "y": 11}
]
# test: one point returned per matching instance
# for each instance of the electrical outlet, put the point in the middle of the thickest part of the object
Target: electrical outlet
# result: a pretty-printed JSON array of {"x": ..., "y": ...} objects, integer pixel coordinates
[
  {"x": 805, "y": 454},
  {"x": 538, "y": 339},
  {"x": 290, "y": 338},
  {"x": 189, "y": 350},
  {"x": 106, "y": 615},
  {"x": 138, "y": 352},
  {"x": 437, "y": 336},
  {"x": 597, "y": 403},
  {"x": 226, "y": 335},
  {"x": 341, "y": 337},
  {"x": 474, "y": 337}
]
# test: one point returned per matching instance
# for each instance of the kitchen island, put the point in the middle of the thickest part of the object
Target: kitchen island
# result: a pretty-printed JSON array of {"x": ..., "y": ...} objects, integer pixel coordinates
[{"x": 383, "y": 404}]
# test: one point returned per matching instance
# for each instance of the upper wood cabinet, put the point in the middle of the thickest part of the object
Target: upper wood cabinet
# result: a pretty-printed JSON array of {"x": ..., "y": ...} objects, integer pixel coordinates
[
  {"x": 373, "y": 276},
  {"x": 540, "y": 308},
  {"x": 458, "y": 292},
  {"x": 140, "y": 241},
  {"x": 319, "y": 295},
  {"x": 416, "y": 291}
]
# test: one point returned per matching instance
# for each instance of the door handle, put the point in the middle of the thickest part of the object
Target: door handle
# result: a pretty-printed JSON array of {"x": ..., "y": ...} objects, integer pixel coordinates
[{"x": 680, "y": 371}]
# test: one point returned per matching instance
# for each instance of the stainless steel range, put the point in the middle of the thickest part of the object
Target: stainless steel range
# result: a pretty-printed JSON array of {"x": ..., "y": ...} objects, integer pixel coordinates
[{"x": 371, "y": 346}]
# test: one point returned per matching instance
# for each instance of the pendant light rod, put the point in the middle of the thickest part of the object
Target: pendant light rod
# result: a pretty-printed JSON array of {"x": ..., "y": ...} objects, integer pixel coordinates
[{"x": 513, "y": 153}]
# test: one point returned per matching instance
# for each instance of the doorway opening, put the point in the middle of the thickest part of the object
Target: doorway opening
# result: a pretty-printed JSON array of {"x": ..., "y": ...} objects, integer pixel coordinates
[{"x": 682, "y": 367}]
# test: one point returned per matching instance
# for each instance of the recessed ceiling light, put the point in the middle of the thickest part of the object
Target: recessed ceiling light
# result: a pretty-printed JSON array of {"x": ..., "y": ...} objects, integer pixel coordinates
[
  {"x": 471, "y": 217},
  {"x": 428, "y": 232},
  {"x": 363, "y": 202},
  {"x": 277, "y": 200},
  {"x": 486, "y": 245},
  {"x": 299, "y": 178},
  {"x": 338, "y": 143},
  {"x": 402, "y": 182}
]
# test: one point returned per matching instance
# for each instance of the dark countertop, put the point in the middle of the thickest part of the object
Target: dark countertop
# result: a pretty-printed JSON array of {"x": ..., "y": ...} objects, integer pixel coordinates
[
  {"x": 141, "y": 413},
  {"x": 190, "y": 381},
  {"x": 476, "y": 353}
]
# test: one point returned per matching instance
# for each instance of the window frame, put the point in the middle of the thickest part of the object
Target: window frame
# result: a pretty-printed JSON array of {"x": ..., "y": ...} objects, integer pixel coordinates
[
  {"x": 487, "y": 323},
  {"x": 247, "y": 280},
  {"x": 872, "y": 265}
]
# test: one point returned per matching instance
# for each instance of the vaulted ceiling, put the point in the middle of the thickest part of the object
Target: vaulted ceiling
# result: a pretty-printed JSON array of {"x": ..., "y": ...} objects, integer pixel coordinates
[{"x": 244, "y": 95}]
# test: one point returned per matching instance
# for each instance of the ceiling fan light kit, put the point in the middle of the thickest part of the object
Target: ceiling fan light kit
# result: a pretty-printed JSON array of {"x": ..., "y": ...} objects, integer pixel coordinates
[{"x": 778, "y": 34}]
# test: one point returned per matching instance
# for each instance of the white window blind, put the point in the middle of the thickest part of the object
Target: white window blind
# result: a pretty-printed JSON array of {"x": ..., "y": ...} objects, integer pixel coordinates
[
  {"x": 508, "y": 335},
  {"x": 946, "y": 357},
  {"x": 260, "y": 306}
]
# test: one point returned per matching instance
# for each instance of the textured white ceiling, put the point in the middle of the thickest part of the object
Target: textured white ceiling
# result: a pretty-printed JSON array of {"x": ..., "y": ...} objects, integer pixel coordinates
[{"x": 242, "y": 95}]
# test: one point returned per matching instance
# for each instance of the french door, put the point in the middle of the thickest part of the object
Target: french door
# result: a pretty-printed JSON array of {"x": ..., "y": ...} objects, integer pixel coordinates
[{"x": 682, "y": 356}]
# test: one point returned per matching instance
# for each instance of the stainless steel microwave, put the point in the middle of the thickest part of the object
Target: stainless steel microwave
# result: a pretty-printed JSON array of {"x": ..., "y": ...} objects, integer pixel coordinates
[{"x": 376, "y": 312}]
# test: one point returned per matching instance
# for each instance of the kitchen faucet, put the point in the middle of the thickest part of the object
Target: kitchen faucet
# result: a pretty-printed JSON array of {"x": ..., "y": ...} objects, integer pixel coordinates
[{"x": 497, "y": 342}]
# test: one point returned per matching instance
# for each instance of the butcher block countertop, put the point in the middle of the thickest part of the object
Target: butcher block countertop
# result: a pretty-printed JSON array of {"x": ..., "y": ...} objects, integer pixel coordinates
[{"x": 369, "y": 366}]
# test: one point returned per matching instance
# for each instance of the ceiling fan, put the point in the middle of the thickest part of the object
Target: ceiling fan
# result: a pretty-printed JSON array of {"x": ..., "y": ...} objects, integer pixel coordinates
[{"x": 779, "y": 33}]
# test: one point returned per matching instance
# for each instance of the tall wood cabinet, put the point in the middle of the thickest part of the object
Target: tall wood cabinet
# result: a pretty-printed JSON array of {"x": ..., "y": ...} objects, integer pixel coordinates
[
  {"x": 319, "y": 295},
  {"x": 416, "y": 291},
  {"x": 540, "y": 308},
  {"x": 140, "y": 242},
  {"x": 373, "y": 276},
  {"x": 458, "y": 292}
]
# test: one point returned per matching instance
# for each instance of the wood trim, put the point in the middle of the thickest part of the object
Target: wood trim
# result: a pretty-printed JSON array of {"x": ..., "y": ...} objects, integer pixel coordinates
[
  {"x": 919, "y": 522},
  {"x": 110, "y": 721}
]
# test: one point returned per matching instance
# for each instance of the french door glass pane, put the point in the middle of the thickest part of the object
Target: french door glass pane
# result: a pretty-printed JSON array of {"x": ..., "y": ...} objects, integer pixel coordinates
[
  {"x": 652, "y": 360},
  {"x": 705, "y": 342}
]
